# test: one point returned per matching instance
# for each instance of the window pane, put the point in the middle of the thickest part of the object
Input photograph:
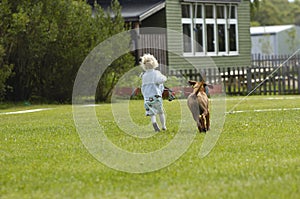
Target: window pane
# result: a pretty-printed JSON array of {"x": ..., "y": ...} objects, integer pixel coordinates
[
  {"x": 210, "y": 38},
  {"x": 209, "y": 11},
  {"x": 199, "y": 37},
  {"x": 187, "y": 47},
  {"x": 198, "y": 11},
  {"x": 221, "y": 38},
  {"x": 220, "y": 12},
  {"x": 185, "y": 11},
  {"x": 233, "y": 39},
  {"x": 231, "y": 12}
]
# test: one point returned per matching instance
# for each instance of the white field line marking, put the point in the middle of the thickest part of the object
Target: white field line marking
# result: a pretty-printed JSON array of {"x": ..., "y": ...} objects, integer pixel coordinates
[
  {"x": 26, "y": 111},
  {"x": 90, "y": 105},
  {"x": 264, "y": 110},
  {"x": 266, "y": 98}
]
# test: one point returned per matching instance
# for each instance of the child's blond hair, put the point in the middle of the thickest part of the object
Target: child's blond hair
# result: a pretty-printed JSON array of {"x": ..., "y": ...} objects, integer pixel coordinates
[{"x": 148, "y": 61}]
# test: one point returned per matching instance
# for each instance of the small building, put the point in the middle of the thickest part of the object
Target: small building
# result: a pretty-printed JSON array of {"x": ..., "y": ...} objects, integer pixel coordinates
[
  {"x": 275, "y": 40},
  {"x": 214, "y": 29}
]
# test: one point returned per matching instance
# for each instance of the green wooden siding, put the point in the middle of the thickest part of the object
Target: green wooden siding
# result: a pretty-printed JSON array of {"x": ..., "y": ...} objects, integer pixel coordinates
[{"x": 175, "y": 55}]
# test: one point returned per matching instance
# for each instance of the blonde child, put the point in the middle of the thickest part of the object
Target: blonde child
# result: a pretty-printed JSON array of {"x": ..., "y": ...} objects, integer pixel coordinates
[{"x": 152, "y": 90}]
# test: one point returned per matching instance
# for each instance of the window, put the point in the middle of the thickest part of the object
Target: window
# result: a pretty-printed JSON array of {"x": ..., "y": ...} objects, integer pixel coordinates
[
  {"x": 231, "y": 12},
  {"x": 232, "y": 36},
  {"x": 185, "y": 10},
  {"x": 187, "y": 46},
  {"x": 209, "y": 29},
  {"x": 187, "y": 28},
  {"x": 199, "y": 37},
  {"x": 221, "y": 38},
  {"x": 209, "y": 11},
  {"x": 198, "y": 11},
  {"x": 221, "y": 12}
]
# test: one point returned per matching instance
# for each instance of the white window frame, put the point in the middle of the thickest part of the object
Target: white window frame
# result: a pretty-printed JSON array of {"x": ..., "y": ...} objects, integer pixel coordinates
[
  {"x": 201, "y": 22},
  {"x": 222, "y": 21},
  {"x": 227, "y": 21},
  {"x": 213, "y": 22},
  {"x": 188, "y": 21},
  {"x": 234, "y": 22}
]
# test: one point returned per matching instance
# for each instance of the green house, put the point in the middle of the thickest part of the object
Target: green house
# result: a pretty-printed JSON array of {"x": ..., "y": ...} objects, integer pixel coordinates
[{"x": 192, "y": 31}]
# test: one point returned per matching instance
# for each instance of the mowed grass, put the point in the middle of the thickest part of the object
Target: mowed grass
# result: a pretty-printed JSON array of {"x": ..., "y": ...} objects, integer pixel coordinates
[{"x": 256, "y": 156}]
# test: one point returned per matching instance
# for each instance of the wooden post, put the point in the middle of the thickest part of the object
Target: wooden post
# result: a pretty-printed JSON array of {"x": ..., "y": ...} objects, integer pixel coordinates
[
  {"x": 265, "y": 83},
  {"x": 229, "y": 80},
  {"x": 298, "y": 69},
  {"x": 249, "y": 80},
  {"x": 294, "y": 77},
  {"x": 137, "y": 42},
  {"x": 288, "y": 79}
]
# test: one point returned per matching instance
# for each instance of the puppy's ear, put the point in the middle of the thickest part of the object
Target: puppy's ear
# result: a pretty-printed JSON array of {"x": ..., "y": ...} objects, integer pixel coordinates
[{"x": 192, "y": 82}]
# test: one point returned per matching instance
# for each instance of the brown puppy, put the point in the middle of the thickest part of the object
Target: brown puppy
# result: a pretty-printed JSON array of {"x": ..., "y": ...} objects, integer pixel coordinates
[{"x": 198, "y": 104}]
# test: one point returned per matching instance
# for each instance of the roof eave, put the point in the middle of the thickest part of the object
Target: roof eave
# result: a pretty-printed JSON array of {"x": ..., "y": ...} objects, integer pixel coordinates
[
  {"x": 262, "y": 34},
  {"x": 152, "y": 11},
  {"x": 131, "y": 19}
]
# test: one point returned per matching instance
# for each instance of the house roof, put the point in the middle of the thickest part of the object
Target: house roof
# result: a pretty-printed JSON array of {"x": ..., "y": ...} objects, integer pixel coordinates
[
  {"x": 271, "y": 30},
  {"x": 136, "y": 10}
]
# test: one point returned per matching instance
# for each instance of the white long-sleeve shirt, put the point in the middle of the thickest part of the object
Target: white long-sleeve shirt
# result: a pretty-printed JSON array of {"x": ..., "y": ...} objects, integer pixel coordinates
[{"x": 152, "y": 83}]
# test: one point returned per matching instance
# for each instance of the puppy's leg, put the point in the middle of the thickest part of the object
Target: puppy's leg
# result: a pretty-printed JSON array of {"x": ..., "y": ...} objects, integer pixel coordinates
[
  {"x": 202, "y": 123},
  {"x": 196, "y": 117},
  {"x": 207, "y": 121}
]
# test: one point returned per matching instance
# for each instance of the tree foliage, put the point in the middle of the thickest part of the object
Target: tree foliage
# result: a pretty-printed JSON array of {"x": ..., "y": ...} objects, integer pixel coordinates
[
  {"x": 5, "y": 67},
  {"x": 46, "y": 42},
  {"x": 275, "y": 12},
  {"x": 115, "y": 71}
]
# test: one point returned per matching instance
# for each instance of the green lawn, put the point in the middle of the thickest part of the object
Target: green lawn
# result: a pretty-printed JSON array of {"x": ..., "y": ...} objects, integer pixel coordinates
[{"x": 256, "y": 156}]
